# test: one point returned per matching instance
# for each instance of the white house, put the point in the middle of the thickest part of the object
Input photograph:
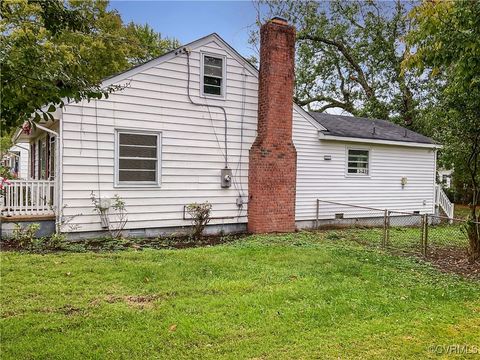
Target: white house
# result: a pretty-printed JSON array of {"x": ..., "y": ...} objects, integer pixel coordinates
[
  {"x": 181, "y": 130},
  {"x": 445, "y": 177},
  {"x": 16, "y": 159}
]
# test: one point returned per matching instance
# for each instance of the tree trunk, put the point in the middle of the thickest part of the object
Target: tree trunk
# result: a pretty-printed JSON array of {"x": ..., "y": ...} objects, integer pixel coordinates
[
  {"x": 473, "y": 230},
  {"x": 474, "y": 240}
]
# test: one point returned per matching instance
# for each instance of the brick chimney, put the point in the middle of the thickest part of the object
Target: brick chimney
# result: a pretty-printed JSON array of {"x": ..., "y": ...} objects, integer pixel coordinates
[{"x": 273, "y": 158}]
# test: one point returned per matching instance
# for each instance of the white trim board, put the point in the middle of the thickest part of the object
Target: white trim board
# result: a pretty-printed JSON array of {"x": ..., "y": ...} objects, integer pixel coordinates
[
  {"x": 136, "y": 184},
  {"x": 325, "y": 137}
]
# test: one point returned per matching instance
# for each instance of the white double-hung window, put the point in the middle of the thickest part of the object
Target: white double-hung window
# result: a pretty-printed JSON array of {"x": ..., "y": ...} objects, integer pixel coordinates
[
  {"x": 358, "y": 162},
  {"x": 138, "y": 158},
  {"x": 213, "y": 75}
]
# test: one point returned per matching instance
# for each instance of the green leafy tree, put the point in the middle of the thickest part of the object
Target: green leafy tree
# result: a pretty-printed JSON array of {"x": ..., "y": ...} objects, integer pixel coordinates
[
  {"x": 147, "y": 44},
  {"x": 446, "y": 37},
  {"x": 5, "y": 143},
  {"x": 54, "y": 51},
  {"x": 349, "y": 56}
]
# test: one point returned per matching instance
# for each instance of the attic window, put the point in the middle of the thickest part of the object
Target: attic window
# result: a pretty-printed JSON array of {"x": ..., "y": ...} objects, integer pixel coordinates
[
  {"x": 213, "y": 75},
  {"x": 358, "y": 162},
  {"x": 138, "y": 157}
]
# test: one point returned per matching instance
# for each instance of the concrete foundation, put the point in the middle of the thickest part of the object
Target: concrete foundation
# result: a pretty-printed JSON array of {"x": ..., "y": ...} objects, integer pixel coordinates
[
  {"x": 7, "y": 225},
  {"x": 159, "y": 232}
]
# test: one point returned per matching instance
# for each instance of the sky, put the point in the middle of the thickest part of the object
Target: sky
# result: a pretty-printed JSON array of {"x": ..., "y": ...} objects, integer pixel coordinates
[{"x": 190, "y": 20}]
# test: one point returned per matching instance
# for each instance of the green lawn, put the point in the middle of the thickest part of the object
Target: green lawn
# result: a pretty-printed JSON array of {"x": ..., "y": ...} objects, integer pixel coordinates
[
  {"x": 461, "y": 211},
  {"x": 272, "y": 297}
]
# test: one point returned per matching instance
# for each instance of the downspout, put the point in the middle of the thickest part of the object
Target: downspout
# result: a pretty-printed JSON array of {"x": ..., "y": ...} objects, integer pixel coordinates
[{"x": 57, "y": 173}]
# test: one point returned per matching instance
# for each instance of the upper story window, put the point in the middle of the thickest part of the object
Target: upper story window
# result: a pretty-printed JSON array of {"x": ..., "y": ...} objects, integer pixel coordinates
[
  {"x": 138, "y": 159},
  {"x": 213, "y": 75},
  {"x": 358, "y": 162}
]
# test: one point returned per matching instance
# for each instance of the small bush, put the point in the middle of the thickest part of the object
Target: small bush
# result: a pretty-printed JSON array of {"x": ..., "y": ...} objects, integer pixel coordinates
[
  {"x": 56, "y": 242},
  {"x": 200, "y": 213},
  {"x": 119, "y": 217},
  {"x": 24, "y": 237}
]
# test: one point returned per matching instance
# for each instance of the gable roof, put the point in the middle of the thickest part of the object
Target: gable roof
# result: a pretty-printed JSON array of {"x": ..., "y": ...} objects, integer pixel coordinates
[
  {"x": 171, "y": 54},
  {"x": 194, "y": 44},
  {"x": 363, "y": 128}
]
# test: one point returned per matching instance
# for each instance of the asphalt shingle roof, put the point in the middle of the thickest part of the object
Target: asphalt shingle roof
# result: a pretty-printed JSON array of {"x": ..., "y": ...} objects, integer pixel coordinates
[{"x": 357, "y": 127}]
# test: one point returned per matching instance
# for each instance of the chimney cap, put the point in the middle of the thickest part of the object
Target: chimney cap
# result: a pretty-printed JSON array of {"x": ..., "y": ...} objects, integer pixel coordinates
[{"x": 279, "y": 20}]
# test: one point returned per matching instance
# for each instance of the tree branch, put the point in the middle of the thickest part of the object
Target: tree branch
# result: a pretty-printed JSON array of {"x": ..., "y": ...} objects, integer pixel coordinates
[
  {"x": 331, "y": 103},
  {"x": 361, "y": 79}
]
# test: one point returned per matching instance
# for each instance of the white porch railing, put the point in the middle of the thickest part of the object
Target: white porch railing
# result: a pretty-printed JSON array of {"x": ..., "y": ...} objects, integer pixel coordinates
[
  {"x": 28, "y": 197},
  {"x": 442, "y": 200}
]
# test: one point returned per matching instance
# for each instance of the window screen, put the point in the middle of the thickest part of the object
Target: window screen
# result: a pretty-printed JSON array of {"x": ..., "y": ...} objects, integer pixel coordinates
[
  {"x": 358, "y": 162},
  {"x": 137, "y": 158},
  {"x": 212, "y": 75}
]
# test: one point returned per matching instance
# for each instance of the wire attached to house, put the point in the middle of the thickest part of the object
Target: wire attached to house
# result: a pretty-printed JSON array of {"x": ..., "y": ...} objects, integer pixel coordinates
[
  {"x": 237, "y": 185},
  {"x": 242, "y": 119},
  {"x": 187, "y": 52},
  {"x": 97, "y": 152}
]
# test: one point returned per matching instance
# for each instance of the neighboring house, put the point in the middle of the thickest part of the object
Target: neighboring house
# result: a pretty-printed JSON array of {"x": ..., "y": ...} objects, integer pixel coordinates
[
  {"x": 16, "y": 159},
  {"x": 182, "y": 130},
  {"x": 445, "y": 178}
]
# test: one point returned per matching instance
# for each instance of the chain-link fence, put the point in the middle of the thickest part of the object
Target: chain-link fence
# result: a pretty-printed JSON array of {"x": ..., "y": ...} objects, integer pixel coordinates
[{"x": 401, "y": 232}]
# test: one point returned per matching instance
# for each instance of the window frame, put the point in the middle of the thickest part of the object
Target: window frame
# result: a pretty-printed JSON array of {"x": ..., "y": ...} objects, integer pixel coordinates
[
  {"x": 223, "y": 87},
  {"x": 32, "y": 159},
  {"x": 42, "y": 157},
  {"x": 137, "y": 184},
  {"x": 52, "y": 143},
  {"x": 369, "y": 163}
]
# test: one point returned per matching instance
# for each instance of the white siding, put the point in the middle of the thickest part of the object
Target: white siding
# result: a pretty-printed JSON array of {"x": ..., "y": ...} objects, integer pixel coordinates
[
  {"x": 191, "y": 157},
  {"x": 192, "y": 151},
  {"x": 23, "y": 160},
  {"x": 327, "y": 180}
]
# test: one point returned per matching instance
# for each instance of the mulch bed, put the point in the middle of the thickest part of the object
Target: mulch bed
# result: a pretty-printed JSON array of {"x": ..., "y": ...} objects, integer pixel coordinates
[
  {"x": 107, "y": 244},
  {"x": 454, "y": 260}
]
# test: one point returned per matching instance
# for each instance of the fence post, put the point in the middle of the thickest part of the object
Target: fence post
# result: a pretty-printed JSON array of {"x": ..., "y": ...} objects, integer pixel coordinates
[
  {"x": 422, "y": 236},
  {"x": 425, "y": 236},
  {"x": 316, "y": 218},
  {"x": 387, "y": 240},
  {"x": 384, "y": 240}
]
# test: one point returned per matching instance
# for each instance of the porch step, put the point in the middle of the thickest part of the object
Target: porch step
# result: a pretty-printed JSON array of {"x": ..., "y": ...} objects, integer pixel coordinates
[{"x": 442, "y": 201}]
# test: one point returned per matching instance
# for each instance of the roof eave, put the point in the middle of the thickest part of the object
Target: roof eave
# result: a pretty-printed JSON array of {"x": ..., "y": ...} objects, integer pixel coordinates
[{"x": 328, "y": 137}]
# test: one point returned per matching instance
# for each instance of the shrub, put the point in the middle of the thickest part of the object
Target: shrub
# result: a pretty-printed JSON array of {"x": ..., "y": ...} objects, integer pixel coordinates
[
  {"x": 115, "y": 227},
  {"x": 56, "y": 242},
  {"x": 24, "y": 237},
  {"x": 200, "y": 214}
]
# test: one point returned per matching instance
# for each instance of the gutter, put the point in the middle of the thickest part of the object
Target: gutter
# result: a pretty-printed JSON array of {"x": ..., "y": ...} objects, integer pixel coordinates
[{"x": 326, "y": 137}]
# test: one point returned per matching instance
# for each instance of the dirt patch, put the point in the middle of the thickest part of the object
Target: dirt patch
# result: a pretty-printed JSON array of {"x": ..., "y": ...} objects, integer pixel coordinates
[
  {"x": 454, "y": 260},
  {"x": 184, "y": 242},
  {"x": 447, "y": 259},
  {"x": 10, "y": 313},
  {"x": 70, "y": 310},
  {"x": 135, "y": 301}
]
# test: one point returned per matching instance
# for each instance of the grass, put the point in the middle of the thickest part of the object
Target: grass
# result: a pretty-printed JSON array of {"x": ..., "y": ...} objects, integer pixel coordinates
[
  {"x": 265, "y": 297},
  {"x": 407, "y": 239},
  {"x": 461, "y": 211}
]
